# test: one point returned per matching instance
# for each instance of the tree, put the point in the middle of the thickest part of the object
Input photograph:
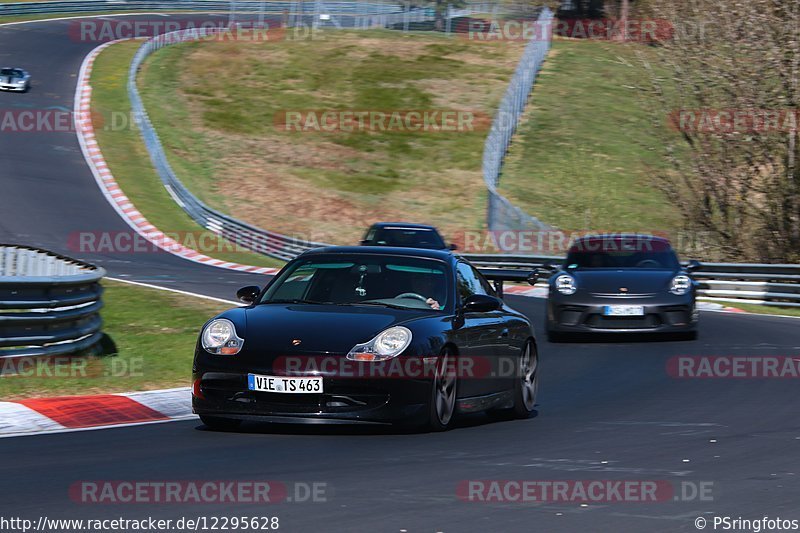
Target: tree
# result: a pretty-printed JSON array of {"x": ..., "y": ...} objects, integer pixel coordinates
[{"x": 740, "y": 182}]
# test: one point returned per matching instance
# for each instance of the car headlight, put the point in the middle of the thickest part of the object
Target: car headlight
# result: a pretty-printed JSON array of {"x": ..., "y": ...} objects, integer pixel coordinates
[
  {"x": 681, "y": 284},
  {"x": 219, "y": 337},
  {"x": 387, "y": 344},
  {"x": 565, "y": 284}
]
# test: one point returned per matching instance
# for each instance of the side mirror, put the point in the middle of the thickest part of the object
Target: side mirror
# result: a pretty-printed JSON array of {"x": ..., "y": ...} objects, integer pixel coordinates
[
  {"x": 533, "y": 277},
  {"x": 693, "y": 265},
  {"x": 364, "y": 242},
  {"x": 248, "y": 294},
  {"x": 482, "y": 303},
  {"x": 453, "y": 246}
]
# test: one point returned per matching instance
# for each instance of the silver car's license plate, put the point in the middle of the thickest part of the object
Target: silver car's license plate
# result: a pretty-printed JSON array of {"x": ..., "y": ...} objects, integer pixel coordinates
[
  {"x": 623, "y": 310},
  {"x": 284, "y": 385}
]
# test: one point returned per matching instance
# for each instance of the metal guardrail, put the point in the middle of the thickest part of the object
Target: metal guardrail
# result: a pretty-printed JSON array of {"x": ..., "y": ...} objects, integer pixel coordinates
[
  {"x": 759, "y": 284},
  {"x": 228, "y": 227},
  {"x": 501, "y": 214},
  {"x": 226, "y": 6},
  {"x": 49, "y": 304},
  {"x": 256, "y": 239}
]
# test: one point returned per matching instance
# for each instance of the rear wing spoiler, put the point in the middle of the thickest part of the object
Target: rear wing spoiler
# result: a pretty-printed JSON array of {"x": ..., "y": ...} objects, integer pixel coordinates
[{"x": 499, "y": 275}]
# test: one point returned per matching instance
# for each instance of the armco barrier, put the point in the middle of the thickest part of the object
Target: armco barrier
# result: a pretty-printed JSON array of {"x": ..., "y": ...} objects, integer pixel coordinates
[
  {"x": 759, "y": 284},
  {"x": 254, "y": 6},
  {"x": 242, "y": 233},
  {"x": 49, "y": 304}
]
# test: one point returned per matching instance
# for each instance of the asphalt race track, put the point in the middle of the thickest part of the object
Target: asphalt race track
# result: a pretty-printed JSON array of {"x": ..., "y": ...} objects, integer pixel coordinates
[{"x": 608, "y": 409}]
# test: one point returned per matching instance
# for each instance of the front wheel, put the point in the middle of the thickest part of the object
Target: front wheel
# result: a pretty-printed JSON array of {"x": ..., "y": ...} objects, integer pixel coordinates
[
  {"x": 443, "y": 392},
  {"x": 220, "y": 424}
]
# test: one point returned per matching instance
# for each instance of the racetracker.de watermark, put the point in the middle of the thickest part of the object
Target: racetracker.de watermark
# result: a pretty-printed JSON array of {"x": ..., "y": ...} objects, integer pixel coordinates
[
  {"x": 735, "y": 121},
  {"x": 103, "y": 31},
  {"x": 583, "y": 491},
  {"x": 650, "y": 30},
  {"x": 553, "y": 242},
  {"x": 197, "y": 492},
  {"x": 733, "y": 367},
  {"x": 207, "y": 242},
  {"x": 73, "y": 367},
  {"x": 381, "y": 121},
  {"x": 410, "y": 367},
  {"x": 59, "y": 120}
]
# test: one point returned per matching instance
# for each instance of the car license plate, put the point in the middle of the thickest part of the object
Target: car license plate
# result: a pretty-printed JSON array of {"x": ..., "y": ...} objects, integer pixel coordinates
[
  {"x": 284, "y": 385},
  {"x": 623, "y": 310}
]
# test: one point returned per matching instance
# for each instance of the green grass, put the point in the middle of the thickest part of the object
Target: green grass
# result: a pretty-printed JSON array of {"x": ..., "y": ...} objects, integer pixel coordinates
[
  {"x": 764, "y": 309},
  {"x": 214, "y": 106},
  {"x": 155, "y": 334},
  {"x": 130, "y": 163},
  {"x": 585, "y": 154}
]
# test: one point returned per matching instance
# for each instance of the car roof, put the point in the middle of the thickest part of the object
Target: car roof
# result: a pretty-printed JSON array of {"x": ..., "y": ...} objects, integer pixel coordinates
[
  {"x": 443, "y": 255},
  {"x": 403, "y": 225}
]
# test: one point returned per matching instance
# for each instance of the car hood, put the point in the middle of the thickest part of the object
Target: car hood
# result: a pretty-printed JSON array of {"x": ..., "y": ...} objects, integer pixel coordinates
[
  {"x": 636, "y": 281},
  {"x": 320, "y": 329},
  {"x": 10, "y": 79}
]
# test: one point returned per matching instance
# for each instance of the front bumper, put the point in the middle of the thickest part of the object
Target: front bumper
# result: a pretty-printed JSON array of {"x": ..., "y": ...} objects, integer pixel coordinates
[
  {"x": 345, "y": 399},
  {"x": 662, "y": 314},
  {"x": 13, "y": 88}
]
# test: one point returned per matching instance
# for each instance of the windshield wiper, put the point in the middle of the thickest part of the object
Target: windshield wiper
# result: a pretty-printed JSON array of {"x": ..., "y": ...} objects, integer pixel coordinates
[{"x": 382, "y": 304}]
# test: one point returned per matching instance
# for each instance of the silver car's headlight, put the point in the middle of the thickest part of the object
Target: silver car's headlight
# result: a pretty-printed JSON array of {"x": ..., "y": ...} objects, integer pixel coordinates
[
  {"x": 681, "y": 284},
  {"x": 387, "y": 344},
  {"x": 219, "y": 337},
  {"x": 565, "y": 284}
]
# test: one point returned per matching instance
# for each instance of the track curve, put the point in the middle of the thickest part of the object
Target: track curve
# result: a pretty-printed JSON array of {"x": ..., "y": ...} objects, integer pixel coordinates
[{"x": 607, "y": 410}]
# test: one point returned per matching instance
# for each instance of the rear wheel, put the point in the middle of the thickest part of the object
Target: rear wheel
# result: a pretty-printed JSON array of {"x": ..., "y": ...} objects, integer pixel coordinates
[
  {"x": 443, "y": 393},
  {"x": 220, "y": 424},
  {"x": 526, "y": 385}
]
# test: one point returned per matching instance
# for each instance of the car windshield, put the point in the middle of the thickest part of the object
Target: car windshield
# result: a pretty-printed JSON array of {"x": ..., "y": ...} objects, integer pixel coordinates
[
  {"x": 407, "y": 237},
  {"x": 612, "y": 254},
  {"x": 10, "y": 72},
  {"x": 368, "y": 279}
]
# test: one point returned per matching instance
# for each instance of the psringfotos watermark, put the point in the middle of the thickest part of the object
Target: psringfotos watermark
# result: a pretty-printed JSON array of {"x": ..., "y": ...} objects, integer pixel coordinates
[
  {"x": 584, "y": 491},
  {"x": 755, "y": 525},
  {"x": 154, "y": 492},
  {"x": 734, "y": 367}
]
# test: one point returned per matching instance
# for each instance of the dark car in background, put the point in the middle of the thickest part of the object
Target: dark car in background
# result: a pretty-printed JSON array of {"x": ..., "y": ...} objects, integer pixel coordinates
[
  {"x": 406, "y": 235},
  {"x": 618, "y": 284},
  {"x": 366, "y": 334}
]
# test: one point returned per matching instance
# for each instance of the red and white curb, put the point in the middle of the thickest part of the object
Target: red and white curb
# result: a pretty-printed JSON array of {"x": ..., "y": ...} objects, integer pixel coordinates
[
  {"x": 79, "y": 413},
  {"x": 112, "y": 191}
]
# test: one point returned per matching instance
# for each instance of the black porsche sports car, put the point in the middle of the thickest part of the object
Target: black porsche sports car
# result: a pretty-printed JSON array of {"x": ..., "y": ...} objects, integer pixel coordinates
[
  {"x": 621, "y": 283},
  {"x": 366, "y": 334}
]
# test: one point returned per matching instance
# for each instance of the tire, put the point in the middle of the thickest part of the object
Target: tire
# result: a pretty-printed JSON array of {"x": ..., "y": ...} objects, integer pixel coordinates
[
  {"x": 220, "y": 424},
  {"x": 443, "y": 392},
  {"x": 526, "y": 385}
]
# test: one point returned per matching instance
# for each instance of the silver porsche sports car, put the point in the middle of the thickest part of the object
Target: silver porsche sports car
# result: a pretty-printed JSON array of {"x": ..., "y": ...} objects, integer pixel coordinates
[{"x": 14, "y": 79}]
